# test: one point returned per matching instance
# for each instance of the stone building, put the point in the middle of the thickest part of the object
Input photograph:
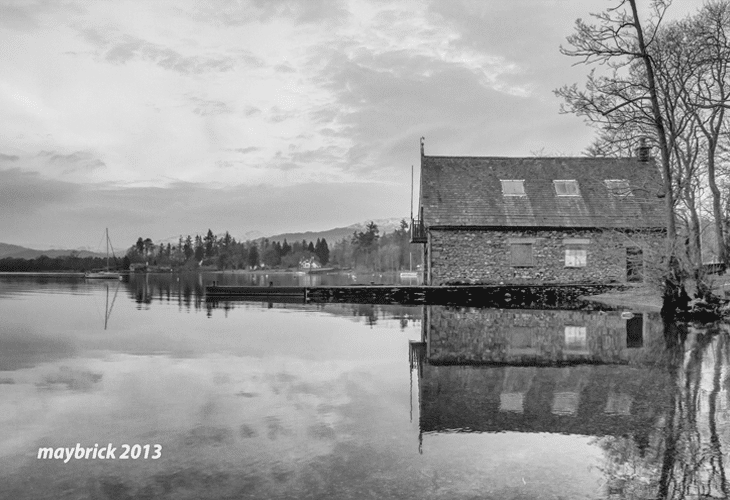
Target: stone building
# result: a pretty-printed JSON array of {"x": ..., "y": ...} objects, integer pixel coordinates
[{"x": 533, "y": 220}]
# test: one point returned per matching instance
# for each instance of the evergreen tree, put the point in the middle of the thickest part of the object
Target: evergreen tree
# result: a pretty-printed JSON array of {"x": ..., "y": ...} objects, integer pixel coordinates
[
  {"x": 322, "y": 251},
  {"x": 188, "y": 249},
  {"x": 253, "y": 255},
  {"x": 199, "y": 248},
  {"x": 271, "y": 256},
  {"x": 324, "y": 257},
  {"x": 209, "y": 243}
]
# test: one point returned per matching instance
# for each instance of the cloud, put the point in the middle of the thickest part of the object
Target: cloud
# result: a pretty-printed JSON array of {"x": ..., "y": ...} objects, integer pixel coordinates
[
  {"x": 120, "y": 48},
  {"x": 386, "y": 101},
  {"x": 250, "y": 149},
  {"x": 16, "y": 18},
  {"x": 205, "y": 107},
  {"x": 27, "y": 193},
  {"x": 134, "y": 48},
  {"x": 237, "y": 13},
  {"x": 41, "y": 210},
  {"x": 284, "y": 68},
  {"x": 76, "y": 162},
  {"x": 278, "y": 115},
  {"x": 271, "y": 93}
]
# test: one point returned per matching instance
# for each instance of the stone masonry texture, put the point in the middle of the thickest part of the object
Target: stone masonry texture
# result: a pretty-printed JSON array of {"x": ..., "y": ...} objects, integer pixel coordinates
[{"x": 483, "y": 256}]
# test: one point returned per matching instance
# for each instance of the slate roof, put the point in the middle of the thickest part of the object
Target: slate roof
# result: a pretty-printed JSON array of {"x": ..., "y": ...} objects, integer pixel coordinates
[{"x": 466, "y": 191}]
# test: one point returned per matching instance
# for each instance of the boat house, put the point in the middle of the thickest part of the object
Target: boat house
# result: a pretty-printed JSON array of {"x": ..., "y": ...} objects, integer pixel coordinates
[{"x": 565, "y": 220}]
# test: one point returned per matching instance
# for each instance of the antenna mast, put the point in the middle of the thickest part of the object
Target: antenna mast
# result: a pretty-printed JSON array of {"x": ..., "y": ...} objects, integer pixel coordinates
[{"x": 411, "y": 192}]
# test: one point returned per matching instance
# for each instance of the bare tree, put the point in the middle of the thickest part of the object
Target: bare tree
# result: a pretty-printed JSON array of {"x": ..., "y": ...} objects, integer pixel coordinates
[
  {"x": 618, "y": 43},
  {"x": 709, "y": 95},
  {"x": 670, "y": 82}
]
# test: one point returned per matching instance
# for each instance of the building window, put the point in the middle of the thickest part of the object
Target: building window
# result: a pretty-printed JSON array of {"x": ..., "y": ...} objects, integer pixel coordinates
[
  {"x": 576, "y": 257},
  {"x": 521, "y": 254},
  {"x": 566, "y": 188},
  {"x": 513, "y": 187},
  {"x": 618, "y": 187},
  {"x": 576, "y": 339}
]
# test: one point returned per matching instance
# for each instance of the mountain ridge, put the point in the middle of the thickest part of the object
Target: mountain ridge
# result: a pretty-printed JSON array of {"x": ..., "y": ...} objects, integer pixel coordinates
[
  {"x": 336, "y": 234},
  {"x": 8, "y": 250}
]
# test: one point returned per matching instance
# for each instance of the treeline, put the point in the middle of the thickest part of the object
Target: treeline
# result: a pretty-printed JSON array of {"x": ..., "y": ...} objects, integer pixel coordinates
[
  {"x": 44, "y": 263},
  {"x": 227, "y": 253},
  {"x": 374, "y": 252},
  {"x": 363, "y": 250}
]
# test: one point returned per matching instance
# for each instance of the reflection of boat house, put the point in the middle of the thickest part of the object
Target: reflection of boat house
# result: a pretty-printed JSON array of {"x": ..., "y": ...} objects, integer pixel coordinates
[
  {"x": 536, "y": 337},
  {"x": 498, "y": 370},
  {"x": 516, "y": 220}
]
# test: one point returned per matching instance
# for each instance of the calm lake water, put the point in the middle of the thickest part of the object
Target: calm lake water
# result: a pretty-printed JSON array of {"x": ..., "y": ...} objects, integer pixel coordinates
[{"x": 291, "y": 400}]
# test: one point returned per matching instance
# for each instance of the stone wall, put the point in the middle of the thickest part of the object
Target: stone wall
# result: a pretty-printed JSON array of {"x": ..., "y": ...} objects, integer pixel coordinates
[{"x": 474, "y": 256}]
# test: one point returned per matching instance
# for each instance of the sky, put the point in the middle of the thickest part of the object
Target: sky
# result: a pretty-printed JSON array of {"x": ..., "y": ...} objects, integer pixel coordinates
[{"x": 161, "y": 118}]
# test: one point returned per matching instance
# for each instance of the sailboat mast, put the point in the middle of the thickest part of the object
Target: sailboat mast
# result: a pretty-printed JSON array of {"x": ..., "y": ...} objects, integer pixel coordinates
[
  {"x": 106, "y": 309},
  {"x": 107, "y": 249}
]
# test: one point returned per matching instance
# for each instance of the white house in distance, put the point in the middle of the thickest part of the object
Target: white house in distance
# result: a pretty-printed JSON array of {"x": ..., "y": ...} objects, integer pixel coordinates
[{"x": 309, "y": 263}]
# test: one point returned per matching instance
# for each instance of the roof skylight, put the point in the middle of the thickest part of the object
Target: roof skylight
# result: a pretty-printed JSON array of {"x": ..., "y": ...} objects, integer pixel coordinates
[
  {"x": 513, "y": 187},
  {"x": 566, "y": 188}
]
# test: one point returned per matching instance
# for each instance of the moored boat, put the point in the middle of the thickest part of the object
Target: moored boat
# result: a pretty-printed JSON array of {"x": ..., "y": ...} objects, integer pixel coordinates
[{"x": 105, "y": 274}]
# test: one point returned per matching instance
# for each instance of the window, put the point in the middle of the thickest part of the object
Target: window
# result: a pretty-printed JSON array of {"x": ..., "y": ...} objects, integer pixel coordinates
[
  {"x": 576, "y": 251},
  {"x": 513, "y": 187},
  {"x": 618, "y": 187},
  {"x": 576, "y": 257},
  {"x": 566, "y": 188},
  {"x": 619, "y": 403},
  {"x": 521, "y": 254},
  {"x": 565, "y": 403},
  {"x": 576, "y": 338},
  {"x": 512, "y": 402}
]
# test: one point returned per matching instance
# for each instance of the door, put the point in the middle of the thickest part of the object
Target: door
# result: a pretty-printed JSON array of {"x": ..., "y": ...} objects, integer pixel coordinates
[{"x": 635, "y": 331}]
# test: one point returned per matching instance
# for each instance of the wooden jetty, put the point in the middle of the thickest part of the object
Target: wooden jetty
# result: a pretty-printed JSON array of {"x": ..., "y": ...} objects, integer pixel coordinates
[
  {"x": 44, "y": 274},
  {"x": 506, "y": 296}
]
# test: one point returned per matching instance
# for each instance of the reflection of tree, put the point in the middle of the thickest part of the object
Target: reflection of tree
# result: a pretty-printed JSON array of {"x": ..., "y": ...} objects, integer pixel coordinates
[
  {"x": 630, "y": 472},
  {"x": 684, "y": 458},
  {"x": 186, "y": 288},
  {"x": 716, "y": 461}
]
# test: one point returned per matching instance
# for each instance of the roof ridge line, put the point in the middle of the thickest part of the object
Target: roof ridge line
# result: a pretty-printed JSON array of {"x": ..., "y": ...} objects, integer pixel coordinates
[{"x": 537, "y": 157}]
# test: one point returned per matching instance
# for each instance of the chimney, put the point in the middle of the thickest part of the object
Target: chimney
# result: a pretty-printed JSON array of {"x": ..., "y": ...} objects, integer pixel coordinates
[{"x": 643, "y": 152}]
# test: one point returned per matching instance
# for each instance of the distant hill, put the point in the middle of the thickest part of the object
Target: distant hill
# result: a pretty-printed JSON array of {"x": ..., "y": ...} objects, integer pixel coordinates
[
  {"x": 18, "y": 252},
  {"x": 336, "y": 234}
]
